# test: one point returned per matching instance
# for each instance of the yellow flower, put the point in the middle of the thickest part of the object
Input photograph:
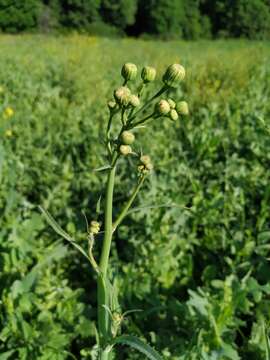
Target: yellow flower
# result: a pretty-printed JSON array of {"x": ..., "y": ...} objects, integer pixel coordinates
[
  {"x": 8, "y": 133},
  {"x": 8, "y": 112}
]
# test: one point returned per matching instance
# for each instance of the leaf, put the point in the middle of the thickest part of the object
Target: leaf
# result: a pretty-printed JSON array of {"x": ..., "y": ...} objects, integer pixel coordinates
[
  {"x": 6, "y": 355},
  {"x": 57, "y": 228},
  {"x": 139, "y": 345},
  {"x": 98, "y": 205},
  {"x": 103, "y": 168}
]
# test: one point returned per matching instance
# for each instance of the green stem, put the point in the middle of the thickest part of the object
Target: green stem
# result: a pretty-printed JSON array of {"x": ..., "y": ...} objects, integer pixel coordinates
[
  {"x": 128, "y": 204},
  {"x": 103, "y": 292},
  {"x": 148, "y": 102}
]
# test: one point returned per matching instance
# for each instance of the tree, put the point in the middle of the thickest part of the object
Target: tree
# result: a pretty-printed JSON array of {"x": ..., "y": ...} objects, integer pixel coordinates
[
  {"x": 19, "y": 15},
  {"x": 80, "y": 13},
  {"x": 161, "y": 17},
  {"x": 120, "y": 13}
]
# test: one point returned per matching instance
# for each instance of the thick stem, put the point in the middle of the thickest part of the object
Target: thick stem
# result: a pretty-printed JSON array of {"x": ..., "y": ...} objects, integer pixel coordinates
[{"x": 103, "y": 292}]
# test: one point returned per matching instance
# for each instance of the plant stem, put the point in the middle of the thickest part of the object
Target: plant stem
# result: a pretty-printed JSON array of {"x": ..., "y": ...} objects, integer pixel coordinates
[
  {"x": 103, "y": 293},
  {"x": 128, "y": 204},
  {"x": 148, "y": 102}
]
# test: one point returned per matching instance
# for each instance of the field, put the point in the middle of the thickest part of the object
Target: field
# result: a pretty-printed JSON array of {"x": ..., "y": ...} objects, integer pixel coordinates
[{"x": 194, "y": 253}]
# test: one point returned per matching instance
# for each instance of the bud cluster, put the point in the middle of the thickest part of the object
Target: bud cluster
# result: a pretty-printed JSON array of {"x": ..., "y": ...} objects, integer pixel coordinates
[
  {"x": 94, "y": 227},
  {"x": 171, "y": 109},
  {"x": 145, "y": 164},
  {"x": 127, "y": 138},
  {"x": 124, "y": 98}
]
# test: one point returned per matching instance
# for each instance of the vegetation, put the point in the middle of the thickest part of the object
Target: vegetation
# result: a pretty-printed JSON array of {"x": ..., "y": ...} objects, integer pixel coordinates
[
  {"x": 193, "y": 253},
  {"x": 188, "y": 19}
]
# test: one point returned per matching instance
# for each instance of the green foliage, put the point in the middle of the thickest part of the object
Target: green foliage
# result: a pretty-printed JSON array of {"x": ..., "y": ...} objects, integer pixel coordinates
[
  {"x": 162, "y": 17},
  {"x": 120, "y": 13},
  {"x": 240, "y": 18},
  {"x": 193, "y": 256},
  {"x": 18, "y": 15},
  {"x": 79, "y": 13}
]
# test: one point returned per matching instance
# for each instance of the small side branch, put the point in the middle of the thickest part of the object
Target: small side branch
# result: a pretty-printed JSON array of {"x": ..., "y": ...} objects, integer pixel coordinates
[{"x": 129, "y": 203}]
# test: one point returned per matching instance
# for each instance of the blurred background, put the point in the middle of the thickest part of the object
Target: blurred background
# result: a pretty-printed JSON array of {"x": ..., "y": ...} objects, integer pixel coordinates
[
  {"x": 199, "y": 270},
  {"x": 177, "y": 19}
]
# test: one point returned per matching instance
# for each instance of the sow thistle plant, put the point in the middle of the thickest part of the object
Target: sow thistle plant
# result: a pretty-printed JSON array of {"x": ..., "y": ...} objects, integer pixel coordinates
[{"x": 127, "y": 112}]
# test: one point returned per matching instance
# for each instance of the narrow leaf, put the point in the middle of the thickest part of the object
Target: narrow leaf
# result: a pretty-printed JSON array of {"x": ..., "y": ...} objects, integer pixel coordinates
[
  {"x": 103, "y": 168},
  {"x": 98, "y": 205},
  {"x": 57, "y": 228},
  {"x": 139, "y": 345}
]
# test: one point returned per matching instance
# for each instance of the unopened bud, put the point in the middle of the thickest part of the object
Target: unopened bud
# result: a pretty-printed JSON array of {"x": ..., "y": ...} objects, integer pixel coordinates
[
  {"x": 94, "y": 227},
  {"x": 174, "y": 75},
  {"x": 148, "y": 74},
  {"x": 127, "y": 137},
  {"x": 162, "y": 107},
  {"x": 125, "y": 149},
  {"x": 122, "y": 95},
  {"x": 145, "y": 160},
  {"x": 111, "y": 105},
  {"x": 149, "y": 166},
  {"x": 134, "y": 101},
  {"x": 182, "y": 108},
  {"x": 173, "y": 115},
  {"x": 129, "y": 71},
  {"x": 172, "y": 103}
]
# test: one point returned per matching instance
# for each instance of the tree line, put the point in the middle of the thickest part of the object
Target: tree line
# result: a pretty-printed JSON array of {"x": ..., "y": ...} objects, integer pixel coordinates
[{"x": 188, "y": 19}]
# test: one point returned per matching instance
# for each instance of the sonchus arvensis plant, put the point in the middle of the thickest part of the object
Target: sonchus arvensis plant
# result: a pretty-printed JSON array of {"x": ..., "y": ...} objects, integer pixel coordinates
[{"x": 128, "y": 111}]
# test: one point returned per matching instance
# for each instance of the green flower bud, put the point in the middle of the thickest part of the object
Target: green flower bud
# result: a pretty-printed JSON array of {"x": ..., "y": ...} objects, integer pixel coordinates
[
  {"x": 122, "y": 96},
  {"x": 129, "y": 71},
  {"x": 134, "y": 101},
  {"x": 149, "y": 166},
  {"x": 172, "y": 103},
  {"x": 182, "y": 108},
  {"x": 111, "y": 105},
  {"x": 174, "y": 75},
  {"x": 127, "y": 137},
  {"x": 148, "y": 74},
  {"x": 125, "y": 150},
  {"x": 94, "y": 227},
  {"x": 162, "y": 107},
  {"x": 145, "y": 160},
  {"x": 173, "y": 115}
]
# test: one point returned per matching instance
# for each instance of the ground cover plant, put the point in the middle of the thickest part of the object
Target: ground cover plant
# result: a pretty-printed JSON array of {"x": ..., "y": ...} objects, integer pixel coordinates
[{"x": 197, "y": 266}]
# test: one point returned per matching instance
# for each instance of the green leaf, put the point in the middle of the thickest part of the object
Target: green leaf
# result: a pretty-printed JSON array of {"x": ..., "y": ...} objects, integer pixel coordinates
[
  {"x": 6, "y": 355},
  {"x": 57, "y": 228},
  {"x": 103, "y": 168},
  {"x": 139, "y": 345}
]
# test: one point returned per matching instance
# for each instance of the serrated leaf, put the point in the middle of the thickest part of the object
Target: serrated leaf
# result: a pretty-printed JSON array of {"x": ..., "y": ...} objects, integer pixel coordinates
[{"x": 139, "y": 345}]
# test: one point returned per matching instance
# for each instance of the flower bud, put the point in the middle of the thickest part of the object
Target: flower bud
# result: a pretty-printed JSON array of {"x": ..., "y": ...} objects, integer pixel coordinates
[
  {"x": 127, "y": 137},
  {"x": 122, "y": 95},
  {"x": 148, "y": 74},
  {"x": 174, "y": 75},
  {"x": 94, "y": 227},
  {"x": 182, "y": 108},
  {"x": 162, "y": 107},
  {"x": 125, "y": 149},
  {"x": 145, "y": 160},
  {"x": 173, "y": 115},
  {"x": 172, "y": 103},
  {"x": 149, "y": 166},
  {"x": 111, "y": 105},
  {"x": 134, "y": 101},
  {"x": 129, "y": 71}
]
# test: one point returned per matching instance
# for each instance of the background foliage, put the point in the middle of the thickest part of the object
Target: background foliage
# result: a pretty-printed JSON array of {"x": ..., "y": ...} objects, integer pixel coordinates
[
  {"x": 189, "y": 19},
  {"x": 200, "y": 275}
]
